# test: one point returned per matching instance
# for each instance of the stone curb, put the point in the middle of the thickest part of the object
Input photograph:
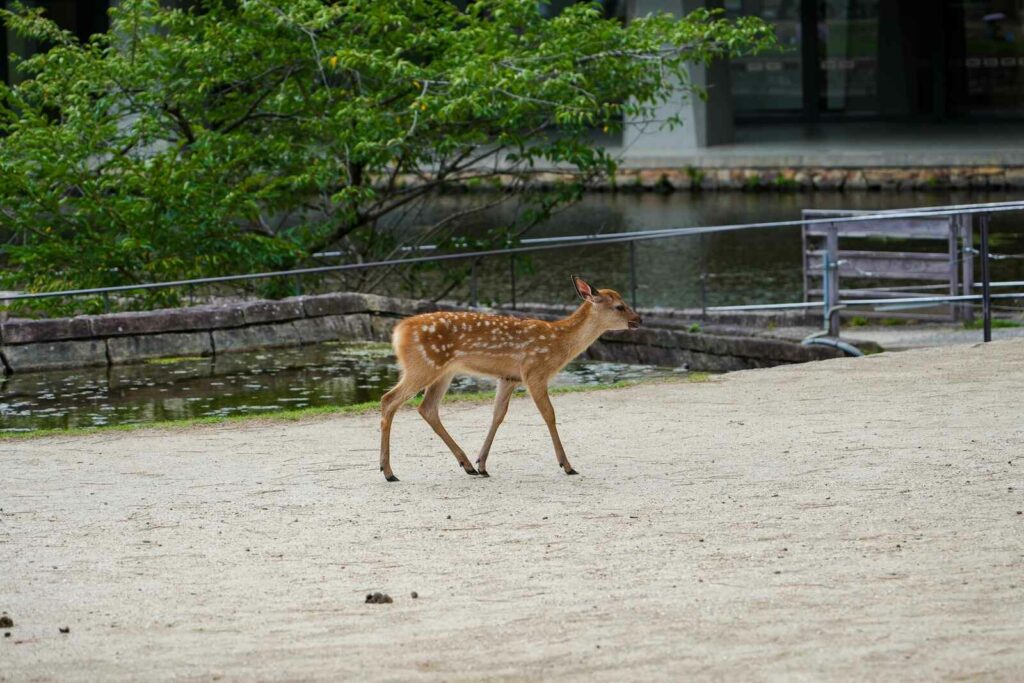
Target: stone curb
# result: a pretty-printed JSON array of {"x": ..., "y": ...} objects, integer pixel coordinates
[{"x": 124, "y": 338}]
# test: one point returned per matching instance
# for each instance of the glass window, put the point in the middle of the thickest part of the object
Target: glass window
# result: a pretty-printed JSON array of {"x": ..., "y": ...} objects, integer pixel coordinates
[
  {"x": 987, "y": 73},
  {"x": 770, "y": 82},
  {"x": 848, "y": 50}
]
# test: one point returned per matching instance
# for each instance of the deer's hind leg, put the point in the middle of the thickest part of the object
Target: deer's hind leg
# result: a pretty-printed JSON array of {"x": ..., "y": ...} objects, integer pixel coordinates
[
  {"x": 409, "y": 386},
  {"x": 430, "y": 410}
]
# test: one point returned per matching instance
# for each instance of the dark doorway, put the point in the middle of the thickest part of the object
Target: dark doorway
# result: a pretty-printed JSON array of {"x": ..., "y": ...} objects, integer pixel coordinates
[{"x": 889, "y": 60}]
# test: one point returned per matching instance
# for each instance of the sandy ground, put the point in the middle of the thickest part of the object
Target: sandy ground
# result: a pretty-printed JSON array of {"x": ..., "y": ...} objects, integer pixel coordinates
[
  {"x": 855, "y": 519},
  {"x": 902, "y": 337},
  {"x": 918, "y": 336}
]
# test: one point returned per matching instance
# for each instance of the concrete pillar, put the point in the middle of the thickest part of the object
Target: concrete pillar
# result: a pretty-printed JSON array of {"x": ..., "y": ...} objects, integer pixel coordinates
[{"x": 704, "y": 122}]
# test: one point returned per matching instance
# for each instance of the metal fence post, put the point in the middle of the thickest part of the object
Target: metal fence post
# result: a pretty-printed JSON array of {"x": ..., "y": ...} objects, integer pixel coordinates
[
  {"x": 986, "y": 294},
  {"x": 967, "y": 258},
  {"x": 472, "y": 285},
  {"x": 703, "y": 295},
  {"x": 512, "y": 278},
  {"x": 632, "y": 271},
  {"x": 830, "y": 281},
  {"x": 956, "y": 310}
]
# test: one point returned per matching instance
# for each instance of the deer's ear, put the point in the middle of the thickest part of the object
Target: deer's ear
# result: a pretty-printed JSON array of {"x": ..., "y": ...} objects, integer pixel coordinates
[{"x": 582, "y": 288}]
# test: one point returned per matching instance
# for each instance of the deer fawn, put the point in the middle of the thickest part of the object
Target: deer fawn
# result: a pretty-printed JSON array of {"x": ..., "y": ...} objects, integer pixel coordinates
[{"x": 434, "y": 347}]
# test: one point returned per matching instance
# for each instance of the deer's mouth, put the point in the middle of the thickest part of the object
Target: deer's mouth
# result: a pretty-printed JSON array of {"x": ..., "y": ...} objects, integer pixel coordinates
[{"x": 633, "y": 324}]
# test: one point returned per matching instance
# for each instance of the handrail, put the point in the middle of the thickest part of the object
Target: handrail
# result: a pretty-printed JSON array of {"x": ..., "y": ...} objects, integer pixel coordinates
[
  {"x": 549, "y": 243},
  {"x": 867, "y": 302},
  {"x": 951, "y": 209}
]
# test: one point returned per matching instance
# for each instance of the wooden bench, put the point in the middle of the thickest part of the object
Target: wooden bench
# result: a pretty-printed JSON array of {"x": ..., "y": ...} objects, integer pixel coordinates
[{"x": 936, "y": 263}]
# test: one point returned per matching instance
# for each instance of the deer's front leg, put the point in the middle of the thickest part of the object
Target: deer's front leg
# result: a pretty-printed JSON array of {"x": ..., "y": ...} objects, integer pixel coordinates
[
  {"x": 501, "y": 399},
  {"x": 539, "y": 391}
]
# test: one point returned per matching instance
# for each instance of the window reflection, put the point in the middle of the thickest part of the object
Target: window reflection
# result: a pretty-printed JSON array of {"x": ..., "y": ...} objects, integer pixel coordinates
[
  {"x": 989, "y": 73},
  {"x": 769, "y": 82},
  {"x": 848, "y": 55}
]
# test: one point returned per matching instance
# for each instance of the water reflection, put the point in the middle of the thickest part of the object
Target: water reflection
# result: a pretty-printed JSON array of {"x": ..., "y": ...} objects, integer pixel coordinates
[
  {"x": 318, "y": 375},
  {"x": 739, "y": 267}
]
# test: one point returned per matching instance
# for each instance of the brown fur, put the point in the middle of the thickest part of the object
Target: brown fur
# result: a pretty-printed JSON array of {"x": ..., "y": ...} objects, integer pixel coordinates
[{"x": 434, "y": 347}]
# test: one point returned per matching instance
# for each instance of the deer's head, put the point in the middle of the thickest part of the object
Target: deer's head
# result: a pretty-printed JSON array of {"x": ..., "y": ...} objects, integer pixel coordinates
[{"x": 608, "y": 307}]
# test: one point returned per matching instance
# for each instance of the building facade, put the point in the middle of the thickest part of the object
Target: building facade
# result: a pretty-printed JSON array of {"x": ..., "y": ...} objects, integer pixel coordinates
[
  {"x": 926, "y": 60},
  {"x": 840, "y": 62}
]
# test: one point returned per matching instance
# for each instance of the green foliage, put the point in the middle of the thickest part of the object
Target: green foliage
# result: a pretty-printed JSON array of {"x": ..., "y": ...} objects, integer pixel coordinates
[
  {"x": 784, "y": 184},
  {"x": 696, "y": 177},
  {"x": 243, "y": 136}
]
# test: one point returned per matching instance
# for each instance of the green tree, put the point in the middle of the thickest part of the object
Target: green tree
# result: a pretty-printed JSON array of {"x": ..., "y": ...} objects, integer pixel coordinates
[{"x": 241, "y": 135}]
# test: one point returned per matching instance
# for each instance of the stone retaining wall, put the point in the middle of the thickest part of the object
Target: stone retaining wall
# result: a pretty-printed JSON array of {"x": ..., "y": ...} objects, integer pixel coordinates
[
  {"x": 811, "y": 178},
  {"x": 119, "y": 338},
  {"x": 791, "y": 178},
  {"x": 123, "y": 338}
]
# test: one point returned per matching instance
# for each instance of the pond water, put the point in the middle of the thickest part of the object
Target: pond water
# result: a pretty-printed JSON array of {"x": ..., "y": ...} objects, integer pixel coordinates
[
  {"x": 744, "y": 267},
  {"x": 236, "y": 384}
]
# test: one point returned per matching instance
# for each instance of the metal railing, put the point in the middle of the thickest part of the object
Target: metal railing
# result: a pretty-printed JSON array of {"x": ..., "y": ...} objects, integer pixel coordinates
[{"x": 532, "y": 245}]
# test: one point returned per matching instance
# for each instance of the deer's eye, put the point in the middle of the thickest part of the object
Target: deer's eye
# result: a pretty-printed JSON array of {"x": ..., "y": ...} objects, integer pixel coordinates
[{"x": 620, "y": 307}]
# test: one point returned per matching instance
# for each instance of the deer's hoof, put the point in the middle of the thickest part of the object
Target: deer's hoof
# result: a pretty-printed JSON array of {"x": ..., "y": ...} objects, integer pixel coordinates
[
  {"x": 482, "y": 473},
  {"x": 471, "y": 471},
  {"x": 391, "y": 478},
  {"x": 571, "y": 471}
]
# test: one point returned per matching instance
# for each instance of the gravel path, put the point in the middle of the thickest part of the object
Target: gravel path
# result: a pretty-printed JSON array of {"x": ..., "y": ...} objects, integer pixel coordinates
[{"x": 856, "y": 519}]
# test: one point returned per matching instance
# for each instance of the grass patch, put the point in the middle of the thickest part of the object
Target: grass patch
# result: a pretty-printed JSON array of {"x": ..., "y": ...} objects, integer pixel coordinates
[
  {"x": 297, "y": 414},
  {"x": 996, "y": 324}
]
